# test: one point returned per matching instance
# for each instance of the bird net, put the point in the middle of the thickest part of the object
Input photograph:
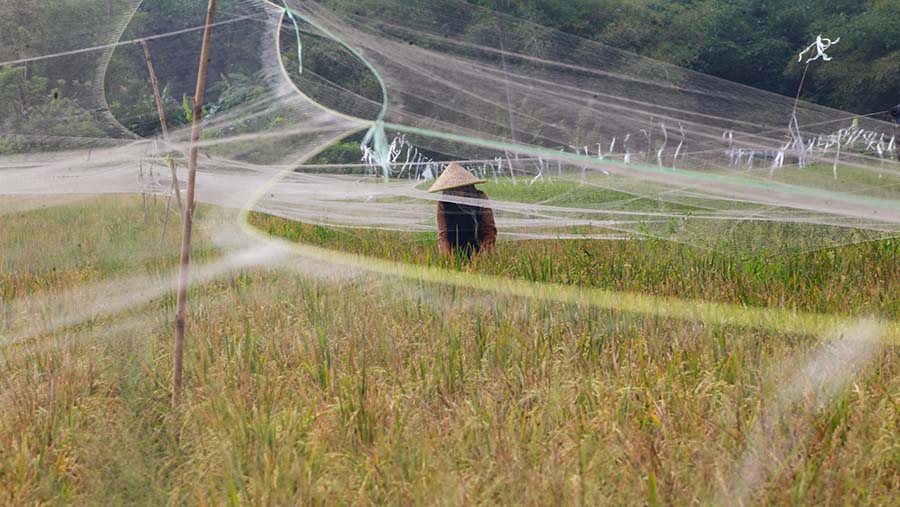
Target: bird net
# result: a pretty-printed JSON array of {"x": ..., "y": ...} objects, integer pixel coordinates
[
  {"x": 341, "y": 112},
  {"x": 594, "y": 142}
]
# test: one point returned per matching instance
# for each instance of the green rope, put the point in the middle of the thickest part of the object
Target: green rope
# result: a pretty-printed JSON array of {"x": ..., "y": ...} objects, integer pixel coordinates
[
  {"x": 376, "y": 137},
  {"x": 293, "y": 19}
]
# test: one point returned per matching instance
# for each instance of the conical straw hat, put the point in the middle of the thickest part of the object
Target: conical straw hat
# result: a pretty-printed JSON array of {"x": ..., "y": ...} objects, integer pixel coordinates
[{"x": 454, "y": 176}]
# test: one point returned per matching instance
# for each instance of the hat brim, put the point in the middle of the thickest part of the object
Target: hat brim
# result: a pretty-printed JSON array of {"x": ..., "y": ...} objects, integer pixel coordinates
[{"x": 435, "y": 188}]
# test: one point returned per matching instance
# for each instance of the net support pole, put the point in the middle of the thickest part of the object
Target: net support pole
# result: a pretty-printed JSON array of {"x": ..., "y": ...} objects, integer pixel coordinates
[
  {"x": 189, "y": 205},
  {"x": 162, "y": 120},
  {"x": 501, "y": 29},
  {"x": 897, "y": 146},
  {"x": 800, "y": 89}
]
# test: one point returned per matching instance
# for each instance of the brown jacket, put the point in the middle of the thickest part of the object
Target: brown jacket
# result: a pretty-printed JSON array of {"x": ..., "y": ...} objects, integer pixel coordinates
[{"x": 487, "y": 229}]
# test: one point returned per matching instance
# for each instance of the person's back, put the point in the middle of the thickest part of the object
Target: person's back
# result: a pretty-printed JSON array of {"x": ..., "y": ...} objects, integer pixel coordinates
[{"x": 460, "y": 226}]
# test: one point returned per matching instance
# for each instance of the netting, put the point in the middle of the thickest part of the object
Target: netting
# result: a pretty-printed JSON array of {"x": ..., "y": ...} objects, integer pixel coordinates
[
  {"x": 614, "y": 145},
  {"x": 340, "y": 113}
]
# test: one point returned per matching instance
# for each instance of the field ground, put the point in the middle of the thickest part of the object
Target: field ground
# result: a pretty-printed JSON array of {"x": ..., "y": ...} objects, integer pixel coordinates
[{"x": 318, "y": 386}]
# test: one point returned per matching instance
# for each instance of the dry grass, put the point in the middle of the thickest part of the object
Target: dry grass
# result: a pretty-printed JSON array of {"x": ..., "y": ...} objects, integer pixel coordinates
[
  {"x": 861, "y": 279},
  {"x": 357, "y": 389}
]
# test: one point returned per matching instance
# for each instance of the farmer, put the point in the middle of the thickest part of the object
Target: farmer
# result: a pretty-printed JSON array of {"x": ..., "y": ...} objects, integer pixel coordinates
[{"x": 464, "y": 227}]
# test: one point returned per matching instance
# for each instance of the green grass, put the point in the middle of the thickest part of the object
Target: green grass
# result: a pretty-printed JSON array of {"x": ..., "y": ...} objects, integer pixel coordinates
[{"x": 360, "y": 389}]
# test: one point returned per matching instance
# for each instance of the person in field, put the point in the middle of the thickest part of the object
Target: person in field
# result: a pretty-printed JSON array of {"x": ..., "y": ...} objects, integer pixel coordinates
[{"x": 464, "y": 227}]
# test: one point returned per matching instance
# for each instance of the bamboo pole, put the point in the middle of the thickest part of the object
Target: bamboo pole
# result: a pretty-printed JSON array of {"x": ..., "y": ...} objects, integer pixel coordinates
[
  {"x": 800, "y": 88},
  {"x": 143, "y": 192},
  {"x": 162, "y": 121},
  {"x": 162, "y": 237},
  {"x": 178, "y": 354}
]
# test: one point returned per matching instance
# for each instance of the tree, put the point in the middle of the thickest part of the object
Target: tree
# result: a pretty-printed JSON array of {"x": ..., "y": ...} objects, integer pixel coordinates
[{"x": 32, "y": 114}]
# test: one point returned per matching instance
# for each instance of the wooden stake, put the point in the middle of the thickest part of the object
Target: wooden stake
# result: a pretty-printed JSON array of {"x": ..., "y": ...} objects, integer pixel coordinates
[
  {"x": 178, "y": 354},
  {"x": 162, "y": 238},
  {"x": 143, "y": 193},
  {"x": 162, "y": 121}
]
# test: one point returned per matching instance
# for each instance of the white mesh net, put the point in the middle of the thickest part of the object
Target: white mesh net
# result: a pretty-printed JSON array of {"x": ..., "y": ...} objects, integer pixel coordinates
[{"x": 613, "y": 144}]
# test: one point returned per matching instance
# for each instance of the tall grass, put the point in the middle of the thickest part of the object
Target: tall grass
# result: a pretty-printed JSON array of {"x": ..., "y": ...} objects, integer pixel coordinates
[
  {"x": 861, "y": 279},
  {"x": 368, "y": 390}
]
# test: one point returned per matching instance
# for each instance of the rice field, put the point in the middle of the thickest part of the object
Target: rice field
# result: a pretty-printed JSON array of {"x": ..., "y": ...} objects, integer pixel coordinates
[{"x": 312, "y": 385}]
